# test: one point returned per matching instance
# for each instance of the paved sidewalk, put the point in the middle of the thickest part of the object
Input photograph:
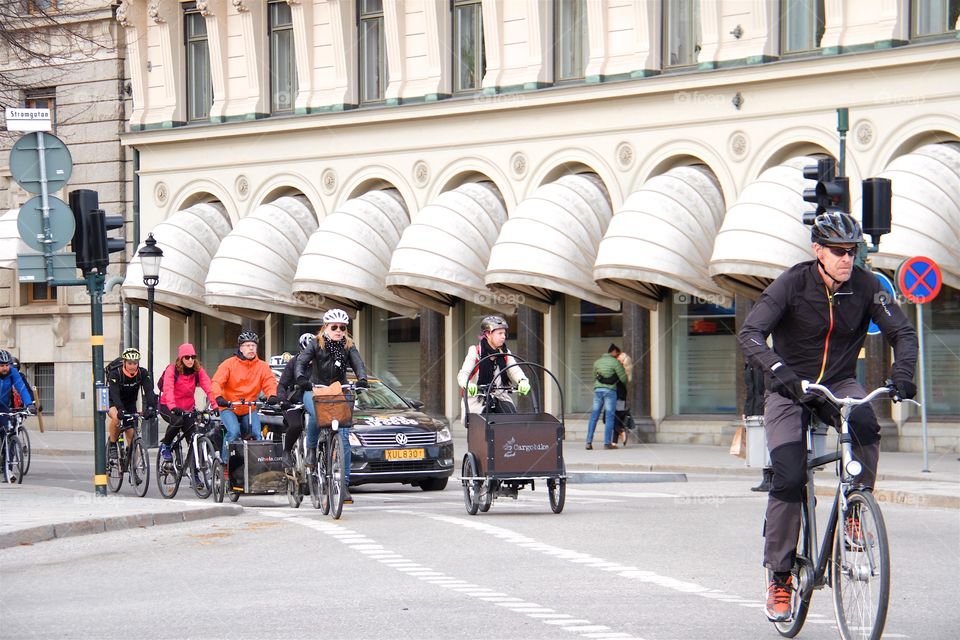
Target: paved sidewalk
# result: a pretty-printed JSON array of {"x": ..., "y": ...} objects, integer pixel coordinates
[{"x": 29, "y": 513}]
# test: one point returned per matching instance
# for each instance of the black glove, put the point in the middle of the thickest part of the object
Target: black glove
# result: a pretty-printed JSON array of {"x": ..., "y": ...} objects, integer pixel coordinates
[
  {"x": 149, "y": 413},
  {"x": 178, "y": 412},
  {"x": 273, "y": 400},
  {"x": 285, "y": 405},
  {"x": 32, "y": 409},
  {"x": 305, "y": 384},
  {"x": 222, "y": 402},
  {"x": 905, "y": 389},
  {"x": 785, "y": 382},
  {"x": 362, "y": 384}
]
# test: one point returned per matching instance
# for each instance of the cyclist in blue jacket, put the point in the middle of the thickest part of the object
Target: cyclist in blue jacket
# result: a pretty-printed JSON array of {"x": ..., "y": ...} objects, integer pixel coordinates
[{"x": 11, "y": 379}]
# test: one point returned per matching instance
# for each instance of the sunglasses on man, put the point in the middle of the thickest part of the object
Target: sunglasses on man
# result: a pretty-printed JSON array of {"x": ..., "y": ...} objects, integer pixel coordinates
[{"x": 840, "y": 251}]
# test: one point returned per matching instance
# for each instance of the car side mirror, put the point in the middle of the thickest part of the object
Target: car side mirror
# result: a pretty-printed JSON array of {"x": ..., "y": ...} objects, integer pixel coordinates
[{"x": 416, "y": 404}]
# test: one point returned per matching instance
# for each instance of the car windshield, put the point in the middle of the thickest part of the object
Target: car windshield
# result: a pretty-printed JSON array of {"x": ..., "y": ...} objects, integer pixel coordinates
[{"x": 378, "y": 396}]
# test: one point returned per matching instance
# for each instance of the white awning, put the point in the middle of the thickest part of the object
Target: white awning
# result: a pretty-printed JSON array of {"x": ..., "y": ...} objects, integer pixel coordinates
[
  {"x": 549, "y": 244},
  {"x": 347, "y": 259},
  {"x": 925, "y": 210},
  {"x": 10, "y": 242},
  {"x": 252, "y": 272},
  {"x": 662, "y": 238},
  {"x": 763, "y": 233},
  {"x": 189, "y": 239},
  {"x": 443, "y": 254}
]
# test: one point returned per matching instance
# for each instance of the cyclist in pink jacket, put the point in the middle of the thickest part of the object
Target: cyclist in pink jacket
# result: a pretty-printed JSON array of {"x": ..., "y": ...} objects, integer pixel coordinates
[{"x": 178, "y": 387}]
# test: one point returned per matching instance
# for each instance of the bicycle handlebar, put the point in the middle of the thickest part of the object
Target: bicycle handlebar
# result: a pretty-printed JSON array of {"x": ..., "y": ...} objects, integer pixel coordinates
[{"x": 889, "y": 390}]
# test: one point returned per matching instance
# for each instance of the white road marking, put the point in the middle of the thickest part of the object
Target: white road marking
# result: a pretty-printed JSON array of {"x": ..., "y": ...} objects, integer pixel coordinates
[{"x": 395, "y": 561}]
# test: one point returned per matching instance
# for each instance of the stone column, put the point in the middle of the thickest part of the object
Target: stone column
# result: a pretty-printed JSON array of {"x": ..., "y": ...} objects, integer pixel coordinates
[
  {"x": 530, "y": 342},
  {"x": 743, "y": 306},
  {"x": 431, "y": 362}
]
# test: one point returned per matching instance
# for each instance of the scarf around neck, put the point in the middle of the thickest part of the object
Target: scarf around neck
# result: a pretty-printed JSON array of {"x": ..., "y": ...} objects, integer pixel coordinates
[
  {"x": 337, "y": 349},
  {"x": 488, "y": 365}
]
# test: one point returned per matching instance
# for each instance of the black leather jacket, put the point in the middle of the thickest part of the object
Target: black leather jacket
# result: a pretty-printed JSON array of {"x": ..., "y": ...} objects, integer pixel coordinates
[{"x": 325, "y": 369}]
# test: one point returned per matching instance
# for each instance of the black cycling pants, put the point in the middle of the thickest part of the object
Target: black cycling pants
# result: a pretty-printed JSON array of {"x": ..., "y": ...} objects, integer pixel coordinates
[
  {"x": 175, "y": 422},
  {"x": 294, "y": 421}
]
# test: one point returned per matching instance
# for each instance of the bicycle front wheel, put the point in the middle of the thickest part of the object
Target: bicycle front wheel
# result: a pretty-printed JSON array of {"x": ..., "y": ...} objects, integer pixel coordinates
[
  {"x": 24, "y": 438},
  {"x": 337, "y": 479},
  {"x": 860, "y": 569},
  {"x": 114, "y": 466},
  {"x": 13, "y": 461},
  {"x": 139, "y": 467},
  {"x": 203, "y": 483},
  {"x": 168, "y": 473}
]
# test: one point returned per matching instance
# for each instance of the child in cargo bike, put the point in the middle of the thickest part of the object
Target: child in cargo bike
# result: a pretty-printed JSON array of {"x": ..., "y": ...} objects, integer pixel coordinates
[
  {"x": 323, "y": 362},
  {"x": 493, "y": 341}
]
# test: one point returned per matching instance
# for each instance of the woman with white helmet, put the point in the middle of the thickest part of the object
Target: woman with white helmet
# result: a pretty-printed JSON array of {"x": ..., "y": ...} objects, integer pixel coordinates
[
  {"x": 323, "y": 362},
  {"x": 492, "y": 342}
]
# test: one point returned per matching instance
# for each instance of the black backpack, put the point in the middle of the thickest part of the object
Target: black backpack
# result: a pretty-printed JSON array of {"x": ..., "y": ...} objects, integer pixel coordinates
[{"x": 115, "y": 365}]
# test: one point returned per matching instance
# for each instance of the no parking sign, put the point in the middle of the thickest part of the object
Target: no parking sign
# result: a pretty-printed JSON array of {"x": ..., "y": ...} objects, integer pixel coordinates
[{"x": 919, "y": 279}]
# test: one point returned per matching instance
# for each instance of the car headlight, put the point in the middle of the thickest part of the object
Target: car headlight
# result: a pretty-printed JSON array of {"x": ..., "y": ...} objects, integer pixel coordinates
[
  {"x": 443, "y": 435},
  {"x": 353, "y": 439}
]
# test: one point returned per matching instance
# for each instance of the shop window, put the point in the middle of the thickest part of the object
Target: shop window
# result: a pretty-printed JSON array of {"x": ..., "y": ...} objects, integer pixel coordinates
[
  {"x": 933, "y": 17},
  {"x": 704, "y": 353},
  {"x": 283, "y": 62},
  {"x": 469, "y": 62},
  {"x": 590, "y": 329},
  {"x": 394, "y": 352},
  {"x": 941, "y": 345},
  {"x": 681, "y": 33},
  {"x": 570, "y": 39},
  {"x": 199, "y": 83},
  {"x": 373, "y": 56},
  {"x": 802, "y": 23}
]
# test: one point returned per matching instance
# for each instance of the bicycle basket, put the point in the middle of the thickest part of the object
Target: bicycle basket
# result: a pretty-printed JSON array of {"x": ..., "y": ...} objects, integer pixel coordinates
[{"x": 337, "y": 407}]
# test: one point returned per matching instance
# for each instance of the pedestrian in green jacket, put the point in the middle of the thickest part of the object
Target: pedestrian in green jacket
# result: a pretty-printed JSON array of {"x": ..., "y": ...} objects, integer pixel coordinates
[{"x": 607, "y": 371}]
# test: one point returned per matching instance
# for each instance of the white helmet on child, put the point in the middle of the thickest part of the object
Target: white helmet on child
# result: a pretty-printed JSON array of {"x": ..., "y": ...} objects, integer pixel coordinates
[
  {"x": 336, "y": 315},
  {"x": 305, "y": 340}
]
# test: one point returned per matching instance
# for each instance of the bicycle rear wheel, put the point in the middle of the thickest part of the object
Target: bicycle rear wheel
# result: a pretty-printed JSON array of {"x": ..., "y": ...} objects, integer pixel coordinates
[
  {"x": 860, "y": 569},
  {"x": 139, "y": 467},
  {"x": 203, "y": 483},
  {"x": 168, "y": 473},
  {"x": 13, "y": 460},
  {"x": 802, "y": 575},
  {"x": 337, "y": 484},
  {"x": 24, "y": 438},
  {"x": 114, "y": 466}
]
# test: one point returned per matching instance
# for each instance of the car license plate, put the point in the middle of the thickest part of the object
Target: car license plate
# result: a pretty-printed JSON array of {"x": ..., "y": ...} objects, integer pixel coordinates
[{"x": 403, "y": 454}]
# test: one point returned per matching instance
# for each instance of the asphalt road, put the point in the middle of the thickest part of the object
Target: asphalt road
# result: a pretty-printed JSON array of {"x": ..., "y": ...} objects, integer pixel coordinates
[{"x": 651, "y": 561}]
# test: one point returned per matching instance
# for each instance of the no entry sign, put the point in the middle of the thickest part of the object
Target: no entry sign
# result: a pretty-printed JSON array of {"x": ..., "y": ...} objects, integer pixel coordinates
[{"x": 919, "y": 279}]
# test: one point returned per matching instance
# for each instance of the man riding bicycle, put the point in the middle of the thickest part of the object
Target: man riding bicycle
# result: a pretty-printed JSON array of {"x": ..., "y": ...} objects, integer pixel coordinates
[
  {"x": 11, "y": 381},
  {"x": 242, "y": 376},
  {"x": 323, "y": 362},
  {"x": 817, "y": 313},
  {"x": 126, "y": 382}
]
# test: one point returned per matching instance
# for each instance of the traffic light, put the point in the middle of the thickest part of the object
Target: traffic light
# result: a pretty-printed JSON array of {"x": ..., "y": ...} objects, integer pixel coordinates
[
  {"x": 90, "y": 241},
  {"x": 877, "y": 201},
  {"x": 831, "y": 193}
]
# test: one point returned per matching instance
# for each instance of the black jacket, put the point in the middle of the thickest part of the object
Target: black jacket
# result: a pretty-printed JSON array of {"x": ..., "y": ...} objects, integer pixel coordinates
[
  {"x": 124, "y": 391},
  {"x": 325, "y": 368},
  {"x": 287, "y": 388},
  {"x": 819, "y": 336},
  {"x": 753, "y": 403}
]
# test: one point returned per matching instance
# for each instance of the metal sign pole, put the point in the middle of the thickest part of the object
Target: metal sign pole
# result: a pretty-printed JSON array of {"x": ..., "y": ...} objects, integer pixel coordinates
[
  {"x": 45, "y": 208},
  {"x": 923, "y": 389}
]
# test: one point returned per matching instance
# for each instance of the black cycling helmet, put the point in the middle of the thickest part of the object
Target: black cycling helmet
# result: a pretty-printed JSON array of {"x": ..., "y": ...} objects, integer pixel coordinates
[
  {"x": 492, "y": 323},
  {"x": 836, "y": 228},
  {"x": 5, "y": 357},
  {"x": 247, "y": 336}
]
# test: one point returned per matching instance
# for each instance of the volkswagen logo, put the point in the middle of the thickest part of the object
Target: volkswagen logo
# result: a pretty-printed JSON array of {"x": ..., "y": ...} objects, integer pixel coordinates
[{"x": 401, "y": 439}]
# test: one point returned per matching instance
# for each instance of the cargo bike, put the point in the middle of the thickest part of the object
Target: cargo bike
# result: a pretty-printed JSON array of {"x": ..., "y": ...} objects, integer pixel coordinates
[
  {"x": 509, "y": 451},
  {"x": 255, "y": 467}
]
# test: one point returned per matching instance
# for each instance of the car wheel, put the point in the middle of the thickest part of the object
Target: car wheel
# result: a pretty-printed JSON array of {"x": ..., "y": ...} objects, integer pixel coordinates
[{"x": 433, "y": 484}]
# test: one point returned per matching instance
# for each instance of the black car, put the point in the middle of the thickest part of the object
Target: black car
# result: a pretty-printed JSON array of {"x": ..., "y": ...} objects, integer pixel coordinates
[{"x": 393, "y": 441}]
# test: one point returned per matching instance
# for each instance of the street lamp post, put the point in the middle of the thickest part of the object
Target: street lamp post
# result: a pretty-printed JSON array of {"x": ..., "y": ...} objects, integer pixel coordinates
[{"x": 150, "y": 256}]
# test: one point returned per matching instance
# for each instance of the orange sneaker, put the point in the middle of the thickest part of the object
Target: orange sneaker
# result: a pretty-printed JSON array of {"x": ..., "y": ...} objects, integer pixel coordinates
[{"x": 779, "y": 596}]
